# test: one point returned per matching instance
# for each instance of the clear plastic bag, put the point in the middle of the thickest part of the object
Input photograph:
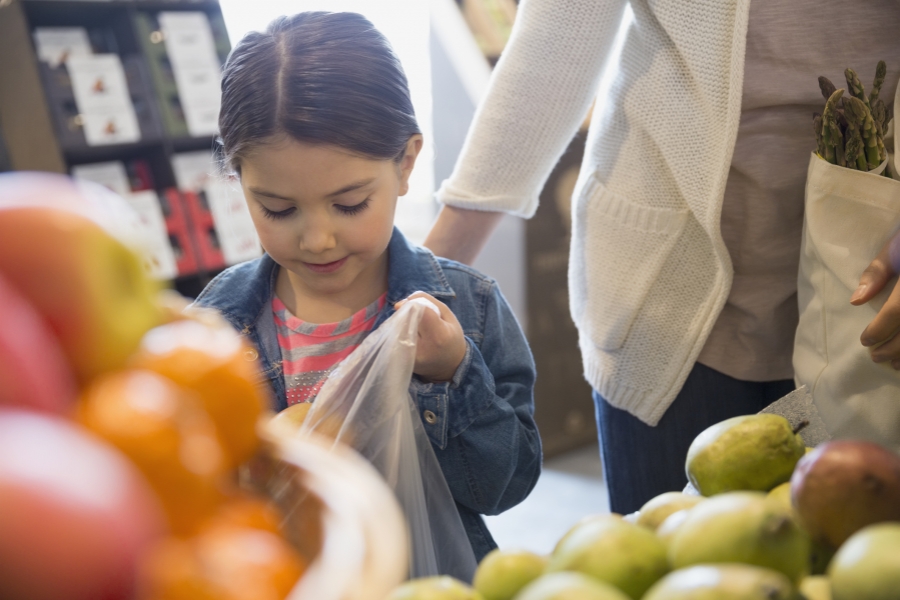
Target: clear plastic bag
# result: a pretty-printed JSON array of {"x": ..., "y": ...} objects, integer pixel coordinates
[{"x": 366, "y": 404}]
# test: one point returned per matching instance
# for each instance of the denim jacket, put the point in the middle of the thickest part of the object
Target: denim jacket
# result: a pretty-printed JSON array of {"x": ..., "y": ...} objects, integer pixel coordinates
[{"x": 484, "y": 433}]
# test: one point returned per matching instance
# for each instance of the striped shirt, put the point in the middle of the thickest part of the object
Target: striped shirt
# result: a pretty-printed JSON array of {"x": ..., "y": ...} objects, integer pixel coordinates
[{"x": 309, "y": 352}]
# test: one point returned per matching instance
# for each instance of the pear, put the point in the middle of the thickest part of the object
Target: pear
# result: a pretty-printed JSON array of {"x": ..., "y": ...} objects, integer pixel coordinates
[
  {"x": 816, "y": 587},
  {"x": 569, "y": 586},
  {"x": 751, "y": 452},
  {"x": 668, "y": 528},
  {"x": 501, "y": 574},
  {"x": 867, "y": 566},
  {"x": 622, "y": 554},
  {"x": 434, "y": 588},
  {"x": 722, "y": 582},
  {"x": 741, "y": 527},
  {"x": 588, "y": 522},
  {"x": 779, "y": 499},
  {"x": 844, "y": 485},
  {"x": 655, "y": 511}
]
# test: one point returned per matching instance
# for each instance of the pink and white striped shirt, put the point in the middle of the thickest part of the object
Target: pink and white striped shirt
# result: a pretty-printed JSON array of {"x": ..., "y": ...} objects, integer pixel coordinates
[{"x": 309, "y": 351}]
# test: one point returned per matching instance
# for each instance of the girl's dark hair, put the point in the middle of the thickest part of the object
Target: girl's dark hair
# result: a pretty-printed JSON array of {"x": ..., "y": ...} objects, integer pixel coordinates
[{"x": 317, "y": 77}]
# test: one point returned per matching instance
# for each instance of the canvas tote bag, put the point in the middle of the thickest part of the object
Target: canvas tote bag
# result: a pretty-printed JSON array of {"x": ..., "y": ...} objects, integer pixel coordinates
[{"x": 849, "y": 216}]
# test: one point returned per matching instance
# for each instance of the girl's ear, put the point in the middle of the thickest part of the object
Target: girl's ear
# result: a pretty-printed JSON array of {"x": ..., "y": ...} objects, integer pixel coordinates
[{"x": 413, "y": 147}]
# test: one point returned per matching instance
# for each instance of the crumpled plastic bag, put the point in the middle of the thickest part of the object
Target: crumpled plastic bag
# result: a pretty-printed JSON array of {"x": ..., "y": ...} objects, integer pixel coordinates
[{"x": 366, "y": 404}]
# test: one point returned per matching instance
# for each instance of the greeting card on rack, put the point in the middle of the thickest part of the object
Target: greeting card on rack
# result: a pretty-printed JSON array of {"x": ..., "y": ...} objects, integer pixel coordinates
[
  {"x": 159, "y": 258},
  {"x": 195, "y": 64},
  {"x": 55, "y": 45},
  {"x": 234, "y": 226},
  {"x": 104, "y": 104}
]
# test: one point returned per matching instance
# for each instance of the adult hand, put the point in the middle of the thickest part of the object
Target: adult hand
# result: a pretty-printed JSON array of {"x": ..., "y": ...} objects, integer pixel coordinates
[
  {"x": 441, "y": 346},
  {"x": 880, "y": 335},
  {"x": 460, "y": 234}
]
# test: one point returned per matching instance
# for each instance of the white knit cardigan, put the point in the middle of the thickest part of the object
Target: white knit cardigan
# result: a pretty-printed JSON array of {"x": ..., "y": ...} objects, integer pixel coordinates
[{"x": 649, "y": 272}]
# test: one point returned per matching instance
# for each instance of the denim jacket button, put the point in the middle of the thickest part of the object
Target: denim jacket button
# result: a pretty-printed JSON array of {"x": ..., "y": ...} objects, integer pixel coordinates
[
  {"x": 251, "y": 354},
  {"x": 430, "y": 417}
]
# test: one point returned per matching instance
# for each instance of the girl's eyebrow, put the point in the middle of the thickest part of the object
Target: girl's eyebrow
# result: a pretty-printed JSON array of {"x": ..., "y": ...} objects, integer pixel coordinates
[
  {"x": 261, "y": 192},
  {"x": 351, "y": 187}
]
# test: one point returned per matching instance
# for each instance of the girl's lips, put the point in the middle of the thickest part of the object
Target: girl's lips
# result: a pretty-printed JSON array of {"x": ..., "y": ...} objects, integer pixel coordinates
[{"x": 326, "y": 267}]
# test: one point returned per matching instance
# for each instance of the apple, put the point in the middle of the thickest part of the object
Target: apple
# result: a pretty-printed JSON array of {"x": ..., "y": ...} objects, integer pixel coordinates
[
  {"x": 33, "y": 369},
  {"x": 90, "y": 288},
  {"x": 75, "y": 515}
]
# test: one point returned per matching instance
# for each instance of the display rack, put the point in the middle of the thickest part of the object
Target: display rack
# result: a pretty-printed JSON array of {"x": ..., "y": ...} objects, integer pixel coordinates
[{"x": 42, "y": 129}]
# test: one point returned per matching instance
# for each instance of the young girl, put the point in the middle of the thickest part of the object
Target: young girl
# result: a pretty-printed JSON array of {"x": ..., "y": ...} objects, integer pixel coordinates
[{"x": 317, "y": 123}]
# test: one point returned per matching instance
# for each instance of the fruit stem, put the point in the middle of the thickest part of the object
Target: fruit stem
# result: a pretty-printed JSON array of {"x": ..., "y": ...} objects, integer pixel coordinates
[{"x": 800, "y": 426}]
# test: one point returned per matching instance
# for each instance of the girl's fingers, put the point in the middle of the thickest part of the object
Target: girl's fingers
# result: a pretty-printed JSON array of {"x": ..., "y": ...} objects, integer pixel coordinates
[
  {"x": 888, "y": 352},
  {"x": 885, "y": 324}
]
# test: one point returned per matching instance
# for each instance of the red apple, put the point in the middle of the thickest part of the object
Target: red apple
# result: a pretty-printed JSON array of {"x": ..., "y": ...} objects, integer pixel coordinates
[
  {"x": 75, "y": 515},
  {"x": 33, "y": 370}
]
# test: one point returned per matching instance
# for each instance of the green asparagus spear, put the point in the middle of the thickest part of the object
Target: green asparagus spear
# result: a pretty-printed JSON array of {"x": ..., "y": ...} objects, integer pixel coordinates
[
  {"x": 854, "y": 151},
  {"x": 880, "y": 73},
  {"x": 855, "y": 86},
  {"x": 817, "y": 127},
  {"x": 863, "y": 116},
  {"x": 831, "y": 132},
  {"x": 826, "y": 86}
]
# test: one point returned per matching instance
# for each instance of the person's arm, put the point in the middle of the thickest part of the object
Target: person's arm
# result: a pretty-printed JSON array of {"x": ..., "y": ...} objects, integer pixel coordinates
[
  {"x": 881, "y": 334},
  {"x": 539, "y": 94}
]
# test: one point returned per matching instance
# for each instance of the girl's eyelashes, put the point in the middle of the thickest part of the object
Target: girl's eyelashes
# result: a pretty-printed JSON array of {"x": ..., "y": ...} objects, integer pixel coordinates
[
  {"x": 281, "y": 214},
  {"x": 352, "y": 210}
]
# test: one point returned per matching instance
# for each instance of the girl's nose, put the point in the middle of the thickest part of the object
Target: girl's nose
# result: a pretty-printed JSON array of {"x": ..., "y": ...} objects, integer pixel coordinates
[{"x": 317, "y": 237}]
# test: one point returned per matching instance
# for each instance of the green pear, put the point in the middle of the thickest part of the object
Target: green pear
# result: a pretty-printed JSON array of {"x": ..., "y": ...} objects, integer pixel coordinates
[
  {"x": 820, "y": 554},
  {"x": 501, "y": 574},
  {"x": 722, "y": 582},
  {"x": 434, "y": 588},
  {"x": 815, "y": 587},
  {"x": 655, "y": 510},
  {"x": 751, "y": 452},
  {"x": 867, "y": 566},
  {"x": 741, "y": 527},
  {"x": 622, "y": 554},
  {"x": 589, "y": 522},
  {"x": 569, "y": 586},
  {"x": 668, "y": 528}
]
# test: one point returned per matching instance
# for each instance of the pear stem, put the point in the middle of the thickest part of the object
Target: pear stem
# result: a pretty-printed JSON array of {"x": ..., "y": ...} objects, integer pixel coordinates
[{"x": 800, "y": 426}]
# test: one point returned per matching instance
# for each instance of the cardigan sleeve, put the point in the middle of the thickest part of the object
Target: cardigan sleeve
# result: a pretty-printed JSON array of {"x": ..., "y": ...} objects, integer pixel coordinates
[{"x": 539, "y": 94}]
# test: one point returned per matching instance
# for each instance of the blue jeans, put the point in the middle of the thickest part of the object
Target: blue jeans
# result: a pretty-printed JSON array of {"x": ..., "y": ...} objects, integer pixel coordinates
[{"x": 640, "y": 462}]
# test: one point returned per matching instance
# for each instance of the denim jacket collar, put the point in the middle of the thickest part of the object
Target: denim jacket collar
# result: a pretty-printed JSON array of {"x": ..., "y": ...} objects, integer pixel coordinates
[{"x": 410, "y": 269}]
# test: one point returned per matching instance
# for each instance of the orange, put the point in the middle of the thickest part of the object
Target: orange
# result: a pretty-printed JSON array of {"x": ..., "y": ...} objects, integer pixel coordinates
[
  {"x": 221, "y": 563},
  {"x": 245, "y": 510},
  {"x": 208, "y": 357},
  {"x": 163, "y": 429}
]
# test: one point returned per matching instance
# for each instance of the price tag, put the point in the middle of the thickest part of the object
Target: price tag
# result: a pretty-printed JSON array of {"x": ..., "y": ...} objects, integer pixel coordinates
[
  {"x": 101, "y": 94},
  {"x": 192, "y": 53},
  {"x": 234, "y": 226}
]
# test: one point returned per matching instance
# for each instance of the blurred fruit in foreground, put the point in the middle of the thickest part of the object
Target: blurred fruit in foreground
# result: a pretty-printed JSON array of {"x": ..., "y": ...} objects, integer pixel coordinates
[
  {"x": 434, "y": 588},
  {"x": 741, "y": 527},
  {"x": 655, "y": 510},
  {"x": 501, "y": 574},
  {"x": 722, "y": 582},
  {"x": 246, "y": 510},
  {"x": 668, "y": 528},
  {"x": 867, "y": 566},
  {"x": 221, "y": 563},
  {"x": 588, "y": 522},
  {"x": 74, "y": 513},
  {"x": 569, "y": 586},
  {"x": 622, "y": 554},
  {"x": 33, "y": 370},
  {"x": 164, "y": 430},
  {"x": 750, "y": 452},
  {"x": 91, "y": 290},
  {"x": 216, "y": 363},
  {"x": 844, "y": 485}
]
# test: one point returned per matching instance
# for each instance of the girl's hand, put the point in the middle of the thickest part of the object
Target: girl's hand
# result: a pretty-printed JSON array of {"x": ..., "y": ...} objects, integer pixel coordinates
[
  {"x": 880, "y": 335},
  {"x": 441, "y": 345}
]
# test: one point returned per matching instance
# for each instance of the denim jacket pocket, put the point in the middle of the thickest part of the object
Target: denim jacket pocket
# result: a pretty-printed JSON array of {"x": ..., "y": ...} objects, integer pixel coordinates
[{"x": 619, "y": 249}]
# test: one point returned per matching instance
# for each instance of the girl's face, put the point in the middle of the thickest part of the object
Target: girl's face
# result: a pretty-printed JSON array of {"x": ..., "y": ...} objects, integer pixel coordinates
[{"x": 325, "y": 215}]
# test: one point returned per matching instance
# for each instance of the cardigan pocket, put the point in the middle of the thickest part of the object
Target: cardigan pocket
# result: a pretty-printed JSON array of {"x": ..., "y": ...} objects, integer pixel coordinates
[{"x": 618, "y": 251}]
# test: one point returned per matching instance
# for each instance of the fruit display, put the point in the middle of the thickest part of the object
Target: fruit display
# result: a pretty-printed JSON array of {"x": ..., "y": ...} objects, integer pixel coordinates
[
  {"x": 137, "y": 456},
  {"x": 776, "y": 521}
]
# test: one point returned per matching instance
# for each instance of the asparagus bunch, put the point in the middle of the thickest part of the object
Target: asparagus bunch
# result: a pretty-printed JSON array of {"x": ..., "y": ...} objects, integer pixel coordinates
[{"x": 850, "y": 130}]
